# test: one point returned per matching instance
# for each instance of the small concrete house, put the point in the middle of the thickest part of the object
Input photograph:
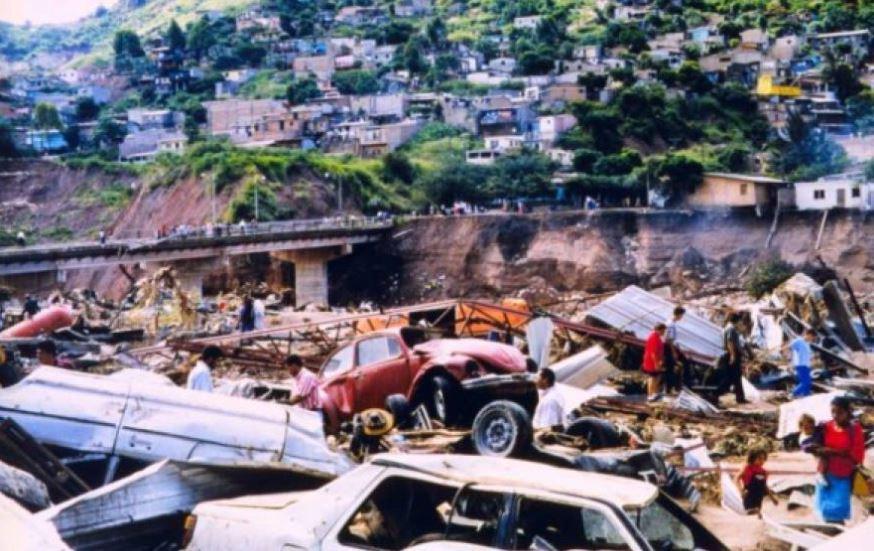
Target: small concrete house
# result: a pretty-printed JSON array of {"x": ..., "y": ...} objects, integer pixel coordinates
[
  {"x": 846, "y": 190},
  {"x": 725, "y": 190}
]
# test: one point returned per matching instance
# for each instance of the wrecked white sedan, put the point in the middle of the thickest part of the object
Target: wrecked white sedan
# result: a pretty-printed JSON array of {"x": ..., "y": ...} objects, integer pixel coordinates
[
  {"x": 397, "y": 501},
  {"x": 97, "y": 420}
]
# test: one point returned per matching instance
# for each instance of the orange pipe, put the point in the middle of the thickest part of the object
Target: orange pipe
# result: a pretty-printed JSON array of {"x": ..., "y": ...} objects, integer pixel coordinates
[{"x": 46, "y": 321}]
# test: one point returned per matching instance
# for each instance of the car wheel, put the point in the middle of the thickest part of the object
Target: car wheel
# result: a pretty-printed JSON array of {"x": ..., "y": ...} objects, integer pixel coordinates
[
  {"x": 443, "y": 402},
  {"x": 399, "y": 407},
  {"x": 501, "y": 429}
]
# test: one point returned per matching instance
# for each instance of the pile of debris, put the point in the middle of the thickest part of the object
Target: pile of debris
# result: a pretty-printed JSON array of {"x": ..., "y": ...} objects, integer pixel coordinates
[{"x": 89, "y": 442}]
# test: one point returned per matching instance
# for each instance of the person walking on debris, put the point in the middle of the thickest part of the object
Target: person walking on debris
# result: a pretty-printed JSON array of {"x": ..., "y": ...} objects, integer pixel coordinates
[
  {"x": 802, "y": 355},
  {"x": 653, "y": 362},
  {"x": 247, "y": 315},
  {"x": 753, "y": 481},
  {"x": 731, "y": 362},
  {"x": 674, "y": 365},
  {"x": 260, "y": 313},
  {"x": 843, "y": 447},
  {"x": 31, "y": 306},
  {"x": 200, "y": 378},
  {"x": 307, "y": 394},
  {"x": 550, "y": 405}
]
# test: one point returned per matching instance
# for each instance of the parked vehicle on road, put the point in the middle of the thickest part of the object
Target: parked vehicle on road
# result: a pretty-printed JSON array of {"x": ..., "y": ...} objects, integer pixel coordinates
[
  {"x": 405, "y": 500},
  {"x": 453, "y": 378}
]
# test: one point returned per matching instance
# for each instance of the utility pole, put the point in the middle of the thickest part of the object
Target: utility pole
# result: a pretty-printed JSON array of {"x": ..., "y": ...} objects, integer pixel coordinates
[
  {"x": 256, "y": 201},
  {"x": 212, "y": 206},
  {"x": 647, "y": 186}
]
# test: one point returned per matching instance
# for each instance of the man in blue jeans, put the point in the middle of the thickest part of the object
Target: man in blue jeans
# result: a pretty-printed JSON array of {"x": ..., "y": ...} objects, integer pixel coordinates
[{"x": 802, "y": 355}]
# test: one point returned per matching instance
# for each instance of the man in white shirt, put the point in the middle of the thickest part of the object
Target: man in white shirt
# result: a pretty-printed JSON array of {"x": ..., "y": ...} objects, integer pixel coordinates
[
  {"x": 550, "y": 406},
  {"x": 260, "y": 314},
  {"x": 200, "y": 378},
  {"x": 674, "y": 366}
]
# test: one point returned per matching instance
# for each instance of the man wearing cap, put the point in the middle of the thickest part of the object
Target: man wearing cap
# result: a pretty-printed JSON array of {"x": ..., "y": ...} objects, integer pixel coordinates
[
  {"x": 307, "y": 393},
  {"x": 200, "y": 378}
]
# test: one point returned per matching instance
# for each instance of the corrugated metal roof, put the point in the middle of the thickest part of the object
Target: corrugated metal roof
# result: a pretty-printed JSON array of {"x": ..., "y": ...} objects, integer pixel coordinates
[{"x": 637, "y": 311}]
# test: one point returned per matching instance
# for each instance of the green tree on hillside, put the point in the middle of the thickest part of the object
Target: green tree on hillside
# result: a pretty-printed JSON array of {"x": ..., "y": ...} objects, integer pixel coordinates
[
  {"x": 109, "y": 131},
  {"x": 358, "y": 82},
  {"x": 45, "y": 117},
  {"x": 7, "y": 144},
  {"x": 127, "y": 47},
  {"x": 201, "y": 38},
  {"x": 412, "y": 56},
  {"x": 807, "y": 152},
  {"x": 175, "y": 37},
  {"x": 679, "y": 175},
  {"x": 86, "y": 109},
  {"x": 302, "y": 90}
]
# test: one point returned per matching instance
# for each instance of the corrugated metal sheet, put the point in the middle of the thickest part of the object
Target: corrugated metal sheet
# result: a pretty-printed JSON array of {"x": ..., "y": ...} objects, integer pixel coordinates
[{"x": 637, "y": 311}]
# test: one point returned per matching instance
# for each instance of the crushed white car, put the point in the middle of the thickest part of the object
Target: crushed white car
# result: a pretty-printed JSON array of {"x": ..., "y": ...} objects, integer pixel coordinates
[
  {"x": 398, "y": 501},
  {"x": 95, "y": 415}
]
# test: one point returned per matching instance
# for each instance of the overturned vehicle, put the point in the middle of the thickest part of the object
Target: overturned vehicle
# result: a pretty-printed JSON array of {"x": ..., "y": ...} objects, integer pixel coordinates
[{"x": 105, "y": 427}]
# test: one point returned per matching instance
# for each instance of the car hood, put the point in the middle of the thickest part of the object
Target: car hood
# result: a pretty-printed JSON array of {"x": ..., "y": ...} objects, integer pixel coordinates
[{"x": 494, "y": 356}]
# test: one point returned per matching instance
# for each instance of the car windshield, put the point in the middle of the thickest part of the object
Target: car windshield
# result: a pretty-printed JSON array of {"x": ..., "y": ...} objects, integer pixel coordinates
[
  {"x": 662, "y": 529},
  {"x": 340, "y": 362}
]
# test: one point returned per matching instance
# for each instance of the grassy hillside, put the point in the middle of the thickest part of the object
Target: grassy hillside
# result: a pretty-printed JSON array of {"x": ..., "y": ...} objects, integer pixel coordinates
[{"x": 92, "y": 35}]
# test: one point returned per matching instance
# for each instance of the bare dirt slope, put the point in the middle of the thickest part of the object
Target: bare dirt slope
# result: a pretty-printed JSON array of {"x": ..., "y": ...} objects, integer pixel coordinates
[{"x": 605, "y": 250}]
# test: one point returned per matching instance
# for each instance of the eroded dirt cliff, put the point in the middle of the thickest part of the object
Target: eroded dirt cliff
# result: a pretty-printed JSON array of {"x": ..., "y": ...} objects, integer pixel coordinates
[{"x": 603, "y": 250}]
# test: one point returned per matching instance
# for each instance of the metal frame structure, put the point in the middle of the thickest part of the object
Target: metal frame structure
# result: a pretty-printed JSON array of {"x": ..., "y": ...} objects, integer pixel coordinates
[{"x": 466, "y": 318}]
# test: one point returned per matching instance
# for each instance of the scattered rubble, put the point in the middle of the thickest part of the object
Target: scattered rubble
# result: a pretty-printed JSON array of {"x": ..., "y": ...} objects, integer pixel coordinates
[{"x": 105, "y": 429}]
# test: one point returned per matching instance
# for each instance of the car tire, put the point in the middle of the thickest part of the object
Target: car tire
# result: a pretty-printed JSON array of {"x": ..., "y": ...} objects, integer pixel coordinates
[
  {"x": 501, "y": 429},
  {"x": 444, "y": 400},
  {"x": 399, "y": 407}
]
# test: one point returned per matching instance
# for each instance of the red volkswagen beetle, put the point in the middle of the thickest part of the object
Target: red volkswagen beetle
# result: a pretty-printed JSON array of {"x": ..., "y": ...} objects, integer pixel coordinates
[{"x": 453, "y": 378}]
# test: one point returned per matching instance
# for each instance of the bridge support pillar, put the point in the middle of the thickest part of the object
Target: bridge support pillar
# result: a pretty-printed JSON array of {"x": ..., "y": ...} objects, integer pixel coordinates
[
  {"x": 311, "y": 272},
  {"x": 190, "y": 274}
]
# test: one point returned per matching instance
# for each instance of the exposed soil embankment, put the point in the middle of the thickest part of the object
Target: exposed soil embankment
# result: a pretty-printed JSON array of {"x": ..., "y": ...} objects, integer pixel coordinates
[
  {"x": 431, "y": 258},
  {"x": 605, "y": 250}
]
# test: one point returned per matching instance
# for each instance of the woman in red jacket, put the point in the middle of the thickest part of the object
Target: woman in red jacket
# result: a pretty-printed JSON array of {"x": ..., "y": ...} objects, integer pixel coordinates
[
  {"x": 653, "y": 362},
  {"x": 842, "y": 449}
]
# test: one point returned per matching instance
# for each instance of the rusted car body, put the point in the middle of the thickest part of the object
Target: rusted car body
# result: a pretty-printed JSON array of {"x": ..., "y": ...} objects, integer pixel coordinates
[{"x": 438, "y": 373}]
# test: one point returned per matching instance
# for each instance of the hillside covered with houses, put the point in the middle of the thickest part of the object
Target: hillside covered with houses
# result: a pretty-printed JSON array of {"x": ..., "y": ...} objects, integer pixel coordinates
[{"x": 421, "y": 104}]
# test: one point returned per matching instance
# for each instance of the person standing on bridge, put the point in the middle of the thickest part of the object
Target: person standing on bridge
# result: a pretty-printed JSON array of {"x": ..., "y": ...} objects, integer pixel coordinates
[
  {"x": 102, "y": 236},
  {"x": 20, "y": 239}
]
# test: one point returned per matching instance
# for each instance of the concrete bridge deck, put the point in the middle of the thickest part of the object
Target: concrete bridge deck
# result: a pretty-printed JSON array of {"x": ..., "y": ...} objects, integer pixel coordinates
[{"x": 310, "y": 244}]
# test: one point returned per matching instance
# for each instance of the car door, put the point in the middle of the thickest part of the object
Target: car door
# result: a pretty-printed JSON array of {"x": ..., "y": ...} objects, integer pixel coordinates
[
  {"x": 382, "y": 369},
  {"x": 403, "y": 509},
  {"x": 543, "y": 522},
  {"x": 338, "y": 381}
]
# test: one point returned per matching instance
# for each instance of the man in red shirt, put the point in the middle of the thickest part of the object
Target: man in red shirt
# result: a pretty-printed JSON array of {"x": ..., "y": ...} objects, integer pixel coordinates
[{"x": 653, "y": 362}]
